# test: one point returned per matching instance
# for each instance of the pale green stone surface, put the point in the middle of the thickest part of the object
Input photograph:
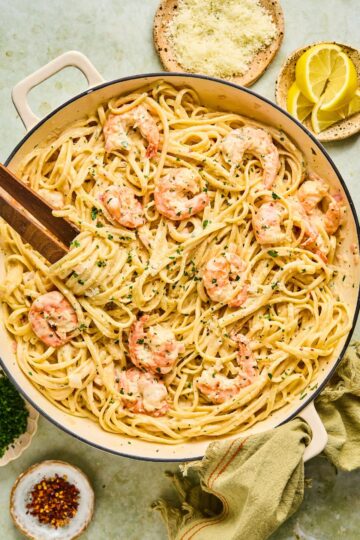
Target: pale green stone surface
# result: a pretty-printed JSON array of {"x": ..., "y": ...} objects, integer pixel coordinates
[{"x": 117, "y": 37}]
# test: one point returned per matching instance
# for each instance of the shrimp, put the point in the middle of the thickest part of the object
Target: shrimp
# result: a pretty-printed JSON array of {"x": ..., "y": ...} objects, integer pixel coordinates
[
  {"x": 142, "y": 393},
  {"x": 115, "y": 130},
  {"x": 313, "y": 240},
  {"x": 121, "y": 206},
  {"x": 53, "y": 197},
  {"x": 245, "y": 358},
  {"x": 146, "y": 238},
  {"x": 311, "y": 193},
  {"x": 332, "y": 217},
  {"x": 221, "y": 277},
  {"x": 53, "y": 319},
  {"x": 173, "y": 194},
  {"x": 267, "y": 223},
  {"x": 217, "y": 387},
  {"x": 156, "y": 349},
  {"x": 255, "y": 141}
]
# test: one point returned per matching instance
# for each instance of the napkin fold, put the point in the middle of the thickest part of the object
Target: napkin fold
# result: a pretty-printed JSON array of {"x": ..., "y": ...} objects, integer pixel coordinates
[{"x": 245, "y": 489}]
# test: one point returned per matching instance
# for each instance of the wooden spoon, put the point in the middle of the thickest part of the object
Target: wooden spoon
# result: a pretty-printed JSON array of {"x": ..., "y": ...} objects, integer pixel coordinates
[{"x": 31, "y": 216}]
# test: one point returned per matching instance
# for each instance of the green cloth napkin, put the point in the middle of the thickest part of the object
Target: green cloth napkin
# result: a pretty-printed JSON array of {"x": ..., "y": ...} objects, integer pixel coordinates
[{"x": 245, "y": 489}]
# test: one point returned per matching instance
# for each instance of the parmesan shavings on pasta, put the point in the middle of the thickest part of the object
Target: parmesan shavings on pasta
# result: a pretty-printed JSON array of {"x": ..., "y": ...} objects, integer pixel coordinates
[{"x": 220, "y": 37}]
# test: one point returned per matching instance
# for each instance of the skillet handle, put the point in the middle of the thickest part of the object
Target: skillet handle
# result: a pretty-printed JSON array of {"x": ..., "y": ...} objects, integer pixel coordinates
[
  {"x": 21, "y": 90},
  {"x": 319, "y": 434}
]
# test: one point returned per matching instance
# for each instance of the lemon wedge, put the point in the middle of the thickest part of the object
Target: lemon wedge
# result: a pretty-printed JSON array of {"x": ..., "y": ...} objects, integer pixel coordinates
[
  {"x": 354, "y": 105},
  {"x": 324, "y": 71},
  {"x": 322, "y": 120},
  {"x": 297, "y": 104}
]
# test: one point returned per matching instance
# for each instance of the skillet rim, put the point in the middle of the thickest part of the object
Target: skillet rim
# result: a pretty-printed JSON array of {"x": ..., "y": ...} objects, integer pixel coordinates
[{"x": 162, "y": 75}]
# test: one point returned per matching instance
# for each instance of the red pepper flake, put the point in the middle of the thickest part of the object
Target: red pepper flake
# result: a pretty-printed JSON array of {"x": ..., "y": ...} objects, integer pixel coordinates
[{"x": 54, "y": 501}]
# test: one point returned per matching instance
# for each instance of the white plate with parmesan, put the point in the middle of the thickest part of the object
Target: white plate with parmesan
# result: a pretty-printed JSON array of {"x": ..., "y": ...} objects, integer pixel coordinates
[{"x": 229, "y": 39}]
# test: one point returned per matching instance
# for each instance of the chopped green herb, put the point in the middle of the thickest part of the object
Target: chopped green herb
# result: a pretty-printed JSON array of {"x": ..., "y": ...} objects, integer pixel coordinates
[
  {"x": 75, "y": 243},
  {"x": 13, "y": 414},
  {"x": 275, "y": 196},
  {"x": 272, "y": 253},
  {"x": 94, "y": 213}
]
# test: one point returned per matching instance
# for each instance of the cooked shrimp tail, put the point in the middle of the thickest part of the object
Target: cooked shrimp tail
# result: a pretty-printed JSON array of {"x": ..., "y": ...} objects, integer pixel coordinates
[
  {"x": 311, "y": 193},
  {"x": 142, "y": 393},
  {"x": 222, "y": 279},
  {"x": 256, "y": 141},
  {"x": 122, "y": 207},
  {"x": 178, "y": 194},
  {"x": 155, "y": 348},
  {"x": 217, "y": 387},
  {"x": 53, "y": 319},
  {"x": 115, "y": 130},
  {"x": 267, "y": 223}
]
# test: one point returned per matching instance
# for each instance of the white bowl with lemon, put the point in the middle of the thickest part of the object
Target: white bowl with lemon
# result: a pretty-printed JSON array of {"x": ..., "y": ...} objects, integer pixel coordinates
[{"x": 319, "y": 85}]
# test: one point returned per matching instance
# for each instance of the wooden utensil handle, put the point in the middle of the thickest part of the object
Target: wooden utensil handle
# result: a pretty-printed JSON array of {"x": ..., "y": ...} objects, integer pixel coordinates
[
  {"x": 30, "y": 229},
  {"x": 31, "y": 201}
]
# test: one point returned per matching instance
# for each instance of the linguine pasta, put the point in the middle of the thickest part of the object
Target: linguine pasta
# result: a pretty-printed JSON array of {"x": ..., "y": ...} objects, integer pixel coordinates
[{"x": 292, "y": 317}]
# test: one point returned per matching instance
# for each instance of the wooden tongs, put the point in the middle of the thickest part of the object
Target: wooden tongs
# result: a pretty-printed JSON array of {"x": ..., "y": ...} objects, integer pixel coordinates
[{"x": 31, "y": 216}]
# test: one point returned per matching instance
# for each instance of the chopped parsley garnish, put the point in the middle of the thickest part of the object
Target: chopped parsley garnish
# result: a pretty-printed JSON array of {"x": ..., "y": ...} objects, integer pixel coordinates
[
  {"x": 100, "y": 264},
  {"x": 273, "y": 253},
  {"x": 75, "y": 243},
  {"x": 13, "y": 414},
  {"x": 94, "y": 213},
  {"x": 275, "y": 196}
]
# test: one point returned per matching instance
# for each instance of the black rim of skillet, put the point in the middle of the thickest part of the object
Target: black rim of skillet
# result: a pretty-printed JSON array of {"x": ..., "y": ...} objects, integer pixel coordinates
[{"x": 162, "y": 75}]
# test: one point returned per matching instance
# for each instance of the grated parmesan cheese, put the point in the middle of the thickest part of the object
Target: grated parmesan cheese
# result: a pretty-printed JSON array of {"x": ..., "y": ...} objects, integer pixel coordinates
[{"x": 220, "y": 37}]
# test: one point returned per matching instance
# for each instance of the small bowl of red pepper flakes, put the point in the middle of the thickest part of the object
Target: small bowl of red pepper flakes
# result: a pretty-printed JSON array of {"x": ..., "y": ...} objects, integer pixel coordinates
[{"x": 52, "y": 500}]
